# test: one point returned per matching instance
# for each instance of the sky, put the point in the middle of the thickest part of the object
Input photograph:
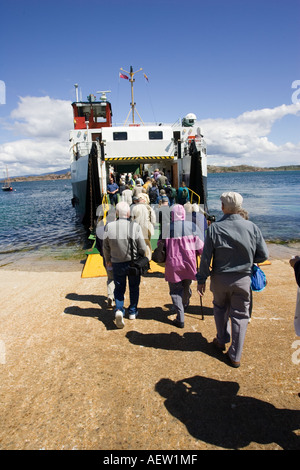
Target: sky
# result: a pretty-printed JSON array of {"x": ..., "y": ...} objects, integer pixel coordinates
[{"x": 233, "y": 63}]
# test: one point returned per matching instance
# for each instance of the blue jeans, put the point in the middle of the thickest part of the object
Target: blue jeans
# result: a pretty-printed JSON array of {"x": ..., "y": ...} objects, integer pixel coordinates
[{"x": 120, "y": 271}]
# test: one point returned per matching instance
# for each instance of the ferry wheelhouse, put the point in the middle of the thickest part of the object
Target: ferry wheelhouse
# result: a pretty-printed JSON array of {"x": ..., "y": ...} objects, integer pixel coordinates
[{"x": 98, "y": 148}]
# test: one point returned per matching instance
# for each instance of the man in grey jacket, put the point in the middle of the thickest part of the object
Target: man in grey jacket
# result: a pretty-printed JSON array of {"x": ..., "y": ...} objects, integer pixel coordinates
[
  {"x": 117, "y": 253},
  {"x": 232, "y": 245}
]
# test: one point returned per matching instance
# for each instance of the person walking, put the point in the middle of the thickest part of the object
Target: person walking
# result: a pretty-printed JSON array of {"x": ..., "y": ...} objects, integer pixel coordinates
[
  {"x": 162, "y": 180},
  {"x": 127, "y": 195},
  {"x": 182, "y": 248},
  {"x": 232, "y": 245},
  {"x": 183, "y": 194},
  {"x": 100, "y": 231},
  {"x": 117, "y": 253},
  {"x": 143, "y": 214}
]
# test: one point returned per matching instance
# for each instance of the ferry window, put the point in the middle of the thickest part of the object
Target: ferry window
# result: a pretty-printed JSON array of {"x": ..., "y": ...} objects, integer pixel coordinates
[
  {"x": 155, "y": 135},
  {"x": 120, "y": 135}
]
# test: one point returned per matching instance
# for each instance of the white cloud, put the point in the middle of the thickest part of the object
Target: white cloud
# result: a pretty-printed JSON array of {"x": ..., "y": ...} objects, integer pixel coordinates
[
  {"x": 42, "y": 117},
  {"x": 35, "y": 156},
  {"x": 42, "y": 126},
  {"x": 244, "y": 140}
]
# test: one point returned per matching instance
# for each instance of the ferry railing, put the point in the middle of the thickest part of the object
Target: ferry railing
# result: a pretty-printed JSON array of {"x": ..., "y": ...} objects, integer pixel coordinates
[{"x": 194, "y": 194}]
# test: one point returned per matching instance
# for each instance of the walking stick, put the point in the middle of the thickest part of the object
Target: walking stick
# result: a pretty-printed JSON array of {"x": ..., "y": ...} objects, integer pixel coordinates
[{"x": 201, "y": 308}]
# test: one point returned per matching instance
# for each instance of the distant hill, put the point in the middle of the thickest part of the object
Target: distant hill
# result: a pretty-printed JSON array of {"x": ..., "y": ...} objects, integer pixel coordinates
[
  {"x": 58, "y": 175},
  {"x": 247, "y": 168}
]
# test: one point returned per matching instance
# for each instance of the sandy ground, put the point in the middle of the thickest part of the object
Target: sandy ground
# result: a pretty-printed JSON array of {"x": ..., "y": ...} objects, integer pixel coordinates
[{"x": 71, "y": 380}]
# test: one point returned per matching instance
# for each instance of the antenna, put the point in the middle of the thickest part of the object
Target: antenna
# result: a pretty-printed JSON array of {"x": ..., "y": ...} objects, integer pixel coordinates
[
  {"x": 76, "y": 91},
  {"x": 131, "y": 73},
  {"x": 103, "y": 94}
]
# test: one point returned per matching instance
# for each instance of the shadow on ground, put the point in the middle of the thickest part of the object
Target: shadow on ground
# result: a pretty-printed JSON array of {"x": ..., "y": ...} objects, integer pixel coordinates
[{"x": 213, "y": 412}]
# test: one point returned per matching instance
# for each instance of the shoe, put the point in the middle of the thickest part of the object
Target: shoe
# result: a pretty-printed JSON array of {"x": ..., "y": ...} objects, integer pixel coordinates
[
  {"x": 119, "y": 319},
  {"x": 178, "y": 323},
  {"x": 110, "y": 303},
  {"x": 219, "y": 346},
  {"x": 132, "y": 316},
  {"x": 232, "y": 362}
]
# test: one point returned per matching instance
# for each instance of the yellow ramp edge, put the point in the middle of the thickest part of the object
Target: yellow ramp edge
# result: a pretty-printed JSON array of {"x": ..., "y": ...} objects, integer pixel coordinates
[{"x": 94, "y": 267}]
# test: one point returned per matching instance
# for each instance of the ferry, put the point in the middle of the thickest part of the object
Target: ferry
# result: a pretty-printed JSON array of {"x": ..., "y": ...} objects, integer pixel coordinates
[{"x": 98, "y": 147}]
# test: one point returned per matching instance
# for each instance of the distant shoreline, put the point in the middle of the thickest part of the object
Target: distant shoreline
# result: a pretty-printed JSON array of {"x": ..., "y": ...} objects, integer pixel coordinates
[
  {"x": 210, "y": 169},
  {"x": 248, "y": 168},
  {"x": 51, "y": 176}
]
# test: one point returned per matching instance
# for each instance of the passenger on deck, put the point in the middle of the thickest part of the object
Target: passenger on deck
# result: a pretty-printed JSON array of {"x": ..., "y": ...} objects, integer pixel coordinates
[
  {"x": 144, "y": 215},
  {"x": 112, "y": 191},
  {"x": 127, "y": 195},
  {"x": 183, "y": 194}
]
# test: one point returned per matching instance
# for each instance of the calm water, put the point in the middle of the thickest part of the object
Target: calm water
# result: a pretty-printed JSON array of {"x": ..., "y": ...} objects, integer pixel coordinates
[
  {"x": 38, "y": 218},
  {"x": 271, "y": 198}
]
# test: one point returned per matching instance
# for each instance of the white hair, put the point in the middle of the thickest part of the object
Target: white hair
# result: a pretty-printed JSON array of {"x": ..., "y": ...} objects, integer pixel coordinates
[{"x": 123, "y": 210}]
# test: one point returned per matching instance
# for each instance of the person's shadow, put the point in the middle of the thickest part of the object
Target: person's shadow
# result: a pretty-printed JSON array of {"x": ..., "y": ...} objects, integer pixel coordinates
[
  {"x": 101, "y": 311},
  {"x": 213, "y": 412}
]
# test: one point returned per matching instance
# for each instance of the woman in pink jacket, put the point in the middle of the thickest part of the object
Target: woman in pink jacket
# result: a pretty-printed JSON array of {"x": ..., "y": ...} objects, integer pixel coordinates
[{"x": 182, "y": 249}]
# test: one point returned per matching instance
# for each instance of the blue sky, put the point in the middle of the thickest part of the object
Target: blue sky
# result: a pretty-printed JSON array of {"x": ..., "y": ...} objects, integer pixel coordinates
[{"x": 231, "y": 62}]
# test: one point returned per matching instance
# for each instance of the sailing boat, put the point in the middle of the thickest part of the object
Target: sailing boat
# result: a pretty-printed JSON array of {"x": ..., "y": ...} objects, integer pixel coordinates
[{"x": 6, "y": 186}]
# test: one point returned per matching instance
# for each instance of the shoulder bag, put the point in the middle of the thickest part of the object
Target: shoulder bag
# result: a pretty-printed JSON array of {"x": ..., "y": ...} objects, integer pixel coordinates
[{"x": 138, "y": 266}]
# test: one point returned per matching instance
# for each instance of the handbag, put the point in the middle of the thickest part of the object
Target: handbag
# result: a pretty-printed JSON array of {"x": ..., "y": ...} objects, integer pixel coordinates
[
  {"x": 138, "y": 266},
  {"x": 258, "y": 279},
  {"x": 159, "y": 254}
]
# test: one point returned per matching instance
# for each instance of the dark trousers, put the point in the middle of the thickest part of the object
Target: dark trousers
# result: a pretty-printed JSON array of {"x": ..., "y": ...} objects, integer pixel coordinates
[
  {"x": 120, "y": 271},
  {"x": 180, "y": 293},
  {"x": 231, "y": 293}
]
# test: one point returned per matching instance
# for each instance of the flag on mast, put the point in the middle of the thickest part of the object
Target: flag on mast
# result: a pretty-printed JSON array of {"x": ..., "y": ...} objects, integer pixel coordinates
[{"x": 121, "y": 75}]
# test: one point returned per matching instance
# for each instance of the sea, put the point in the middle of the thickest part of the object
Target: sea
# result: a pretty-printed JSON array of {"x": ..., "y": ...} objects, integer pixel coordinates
[{"x": 39, "y": 226}]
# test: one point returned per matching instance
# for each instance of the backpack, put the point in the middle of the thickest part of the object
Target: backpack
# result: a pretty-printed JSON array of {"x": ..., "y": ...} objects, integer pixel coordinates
[
  {"x": 174, "y": 193},
  {"x": 170, "y": 192},
  {"x": 184, "y": 194},
  {"x": 153, "y": 195}
]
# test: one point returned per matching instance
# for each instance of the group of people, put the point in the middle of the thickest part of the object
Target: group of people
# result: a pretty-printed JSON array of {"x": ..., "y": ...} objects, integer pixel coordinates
[
  {"x": 227, "y": 250},
  {"x": 155, "y": 188}
]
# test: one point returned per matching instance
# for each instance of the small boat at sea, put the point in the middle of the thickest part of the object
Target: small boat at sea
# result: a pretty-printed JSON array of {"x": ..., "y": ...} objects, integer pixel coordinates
[
  {"x": 6, "y": 185},
  {"x": 98, "y": 148}
]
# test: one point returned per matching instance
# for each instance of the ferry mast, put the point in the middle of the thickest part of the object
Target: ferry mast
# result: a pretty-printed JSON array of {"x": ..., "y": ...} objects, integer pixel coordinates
[{"x": 132, "y": 104}]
